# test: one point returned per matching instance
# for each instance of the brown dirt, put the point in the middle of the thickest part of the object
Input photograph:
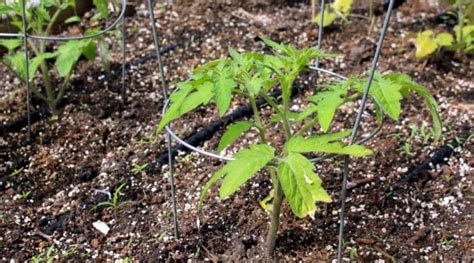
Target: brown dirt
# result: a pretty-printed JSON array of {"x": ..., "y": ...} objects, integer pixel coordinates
[{"x": 100, "y": 138}]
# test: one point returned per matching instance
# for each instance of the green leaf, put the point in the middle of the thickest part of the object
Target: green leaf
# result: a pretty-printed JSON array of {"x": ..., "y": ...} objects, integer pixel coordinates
[
  {"x": 342, "y": 6},
  {"x": 254, "y": 84},
  {"x": 223, "y": 90},
  {"x": 236, "y": 56},
  {"x": 233, "y": 132},
  {"x": 90, "y": 50},
  {"x": 444, "y": 39},
  {"x": 466, "y": 32},
  {"x": 407, "y": 85},
  {"x": 387, "y": 93},
  {"x": 302, "y": 187},
  {"x": 185, "y": 100},
  {"x": 298, "y": 144},
  {"x": 326, "y": 144},
  {"x": 102, "y": 7},
  {"x": 329, "y": 18},
  {"x": 68, "y": 55},
  {"x": 425, "y": 45},
  {"x": 327, "y": 103},
  {"x": 202, "y": 71},
  {"x": 36, "y": 61},
  {"x": 18, "y": 61},
  {"x": 11, "y": 44},
  {"x": 200, "y": 97},
  {"x": 72, "y": 19},
  {"x": 266, "y": 202},
  {"x": 247, "y": 162}
]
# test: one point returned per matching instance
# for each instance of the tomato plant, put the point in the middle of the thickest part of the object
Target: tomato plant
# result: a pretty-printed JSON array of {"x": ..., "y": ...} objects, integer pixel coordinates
[
  {"x": 41, "y": 18},
  {"x": 251, "y": 75}
]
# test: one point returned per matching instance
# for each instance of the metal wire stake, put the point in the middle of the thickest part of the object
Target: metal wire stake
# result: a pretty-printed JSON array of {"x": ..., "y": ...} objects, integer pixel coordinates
[
  {"x": 320, "y": 35},
  {"x": 320, "y": 40},
  {"x": 357, "y": 126},
  {"x": 27, "y": 68},
  {"x": 168, "y": 136},
  {"x": 123, "y": 56}
]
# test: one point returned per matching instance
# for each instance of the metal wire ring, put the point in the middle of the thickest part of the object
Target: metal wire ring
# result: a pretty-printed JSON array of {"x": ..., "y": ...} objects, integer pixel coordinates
[
  {"x": 227, "y": 158},
  {"x": 58, "y": 38}
]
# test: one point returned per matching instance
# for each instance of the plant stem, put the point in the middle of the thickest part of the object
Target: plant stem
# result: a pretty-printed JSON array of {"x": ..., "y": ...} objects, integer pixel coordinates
[
  {"x": 45, "y": 75},
  {"x": 258, "y": 121},
  {"x": 54, "y": 18},
  {"x": 60, "y": 95},
  {"x": 306, "y": 127},
  {"x": 275, "y": 221},
  {"x": 286, "y": 124},
  {"x": 352, "y": 97}
]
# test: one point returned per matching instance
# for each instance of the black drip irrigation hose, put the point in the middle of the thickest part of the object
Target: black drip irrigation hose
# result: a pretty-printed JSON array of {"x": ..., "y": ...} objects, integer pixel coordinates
[
  {"x": 204, "y": 134},
  {"x": 440, "y": 157},
  {"x": 21, "y": 122}
]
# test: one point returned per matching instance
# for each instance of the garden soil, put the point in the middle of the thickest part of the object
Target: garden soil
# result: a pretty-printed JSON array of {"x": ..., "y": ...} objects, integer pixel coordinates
[{"x": 104, "y": 138}]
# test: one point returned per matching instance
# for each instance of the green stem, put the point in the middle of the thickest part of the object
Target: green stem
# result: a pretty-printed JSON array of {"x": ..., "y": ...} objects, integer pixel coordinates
[
  {"x": 33, "y": 47},
  {"x": 286, "y": 124},
  {"x": 306, "y": 127},
  {"x": 276, "y": 208},
  {"x": 53, "y": 105},
  {"x": 258, "y": 121},
  {"x": 45, "y": 73},
  {"x": 352, "y": 97},
  {"x": 54, "y": 18}
]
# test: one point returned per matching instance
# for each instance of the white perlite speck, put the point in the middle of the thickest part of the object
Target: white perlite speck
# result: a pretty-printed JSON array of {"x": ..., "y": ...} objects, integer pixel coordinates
[{"x": 101, "y": 226}]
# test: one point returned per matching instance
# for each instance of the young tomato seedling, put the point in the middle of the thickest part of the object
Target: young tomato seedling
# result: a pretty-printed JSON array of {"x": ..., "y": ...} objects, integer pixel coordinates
[
  {"x": 293, "y": 176},
  {"x": 42, "y": 18}
]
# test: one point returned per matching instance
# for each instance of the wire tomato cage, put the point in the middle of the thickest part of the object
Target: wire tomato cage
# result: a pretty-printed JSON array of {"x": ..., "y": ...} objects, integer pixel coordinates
[
  {"x": 171, "y": 135},
  {"x": 25, "y": 36},
  {"x": 316, "y": 67}
]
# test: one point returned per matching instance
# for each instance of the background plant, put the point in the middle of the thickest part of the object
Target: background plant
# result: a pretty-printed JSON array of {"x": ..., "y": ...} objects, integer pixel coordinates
[
  {"x": 462, "y": 38},
  {"x": 293, "y": 176},
  {"x": 337, "y": 9},
  {"x": 54, "y": 67}
]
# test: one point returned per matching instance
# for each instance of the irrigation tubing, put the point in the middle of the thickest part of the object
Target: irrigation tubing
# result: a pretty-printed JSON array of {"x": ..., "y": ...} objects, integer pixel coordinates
[{"x": 438, "y": 158}]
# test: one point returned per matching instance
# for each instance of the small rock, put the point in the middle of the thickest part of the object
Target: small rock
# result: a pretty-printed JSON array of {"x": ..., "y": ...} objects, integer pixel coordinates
[
  {"x": 10, "y": 192},
  {"x": 95, "y": 243},
  {"x": 101, "y": 226}
]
